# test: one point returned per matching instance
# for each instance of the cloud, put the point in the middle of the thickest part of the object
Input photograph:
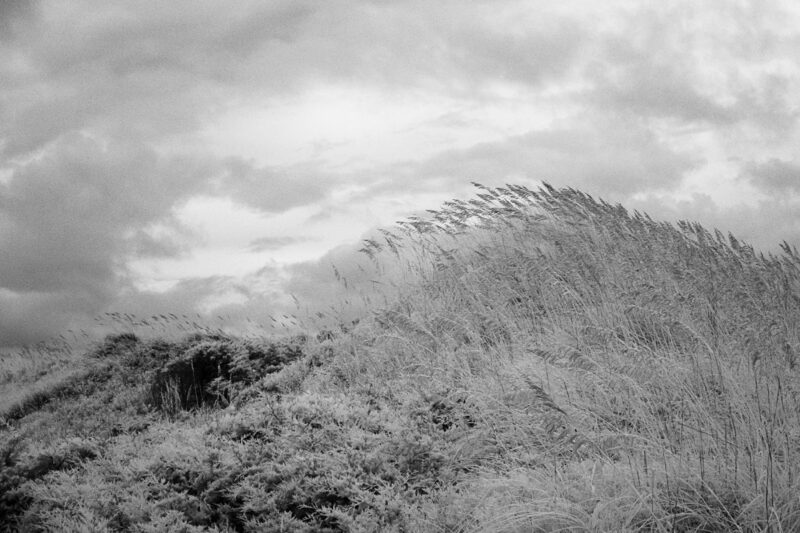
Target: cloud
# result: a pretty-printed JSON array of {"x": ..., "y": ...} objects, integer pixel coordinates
[
  {"x": 763, "y": 224},
  {"x": 647, "y": 70},
  {"x": 272, "y": 243},
  {"x": 643, "y": 85},
  {"x": 484, "y": 54},
  {"x": 661, "y": 65},
  {"x": 132, "y": 70},
  {"x": 776, "y": 176},
  {"x": 196, "y": 38},
  {"x": 33, "y": 317},
  {"x": 70, "y": 218},
  {"x": 273, "y": 189},
  {"x": 339, "y": 284},
  {"x": 334, "y": 285},
  {"x": 162, "y": 69},
  {"x": 14, "y": 16},
  {"x": 600, "y": 153},
  {"x": 186, "y": 297}
]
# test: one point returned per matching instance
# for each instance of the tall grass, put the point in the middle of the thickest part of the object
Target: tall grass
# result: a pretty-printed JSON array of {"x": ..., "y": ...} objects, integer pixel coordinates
[{"x": 662, "y": 359}]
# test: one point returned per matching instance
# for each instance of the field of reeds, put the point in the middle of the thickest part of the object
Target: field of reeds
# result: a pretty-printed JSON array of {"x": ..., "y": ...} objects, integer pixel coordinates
[{"x": 535, "y": 361}]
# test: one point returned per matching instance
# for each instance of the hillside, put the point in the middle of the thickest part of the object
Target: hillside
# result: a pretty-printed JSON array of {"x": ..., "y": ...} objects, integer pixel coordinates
[{"x": 539, "y": 361}]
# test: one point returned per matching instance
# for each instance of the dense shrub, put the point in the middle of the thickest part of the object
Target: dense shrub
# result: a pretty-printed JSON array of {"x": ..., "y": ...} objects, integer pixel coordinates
[
  {"x": 14, "y": 473},
  {"x": 116, "y": 344},
  {"x": 150, "y": 355},
  {"x": 213, "y": 372},
  {"x": 183, "y": 383}
]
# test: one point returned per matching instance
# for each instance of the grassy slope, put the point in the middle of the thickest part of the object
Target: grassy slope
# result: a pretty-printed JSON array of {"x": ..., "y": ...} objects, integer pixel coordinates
[{"x": 550, "y": 363}]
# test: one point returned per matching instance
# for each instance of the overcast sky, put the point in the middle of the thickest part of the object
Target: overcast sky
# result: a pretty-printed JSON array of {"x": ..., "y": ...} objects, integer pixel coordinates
[{"x": 160, "y": 156}]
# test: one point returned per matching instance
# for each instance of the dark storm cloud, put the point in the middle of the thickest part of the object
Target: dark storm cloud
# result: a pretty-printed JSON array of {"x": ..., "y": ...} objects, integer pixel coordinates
[
  {"x": 273, "y": 190},
  {"x": 14, "y": 16},
  {"x": 66, "y": 212},
  {"x": 31, "y": 318},
  {"x": 776, "y": 176},
  {"x": 282, "y": 46},
  {"x": 197, "y": 38},
  {"x": 70, "y": 219},
  {"x": 146, "y": 70}
]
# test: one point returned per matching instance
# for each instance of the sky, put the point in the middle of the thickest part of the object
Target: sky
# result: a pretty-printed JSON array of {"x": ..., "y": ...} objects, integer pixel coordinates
[{"x": 218, "y": 157}]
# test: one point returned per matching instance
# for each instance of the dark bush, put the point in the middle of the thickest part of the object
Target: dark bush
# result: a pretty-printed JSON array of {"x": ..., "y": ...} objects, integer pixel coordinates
[
  {"x": 116, "y": 344},
  {"x": 14, "y": 498},
  {"x": 213, "y": 372},
  {"x": 151, "y": 355},
  {"x": 193, "y": 339},
  {"x": 253, "y": 360},
  {"x": 183, "y": 383}
]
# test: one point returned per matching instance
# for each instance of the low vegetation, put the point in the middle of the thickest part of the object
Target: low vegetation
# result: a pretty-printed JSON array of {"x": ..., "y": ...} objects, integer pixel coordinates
[{"x": 543, "y": 362}]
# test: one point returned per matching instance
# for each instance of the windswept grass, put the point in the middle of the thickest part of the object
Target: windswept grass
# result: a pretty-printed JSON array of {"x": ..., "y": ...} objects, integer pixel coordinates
[
  {"x": 666, "y": 353},
  {"x": 30, "y": 374},
  {"x": 544, "y": 362}
]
